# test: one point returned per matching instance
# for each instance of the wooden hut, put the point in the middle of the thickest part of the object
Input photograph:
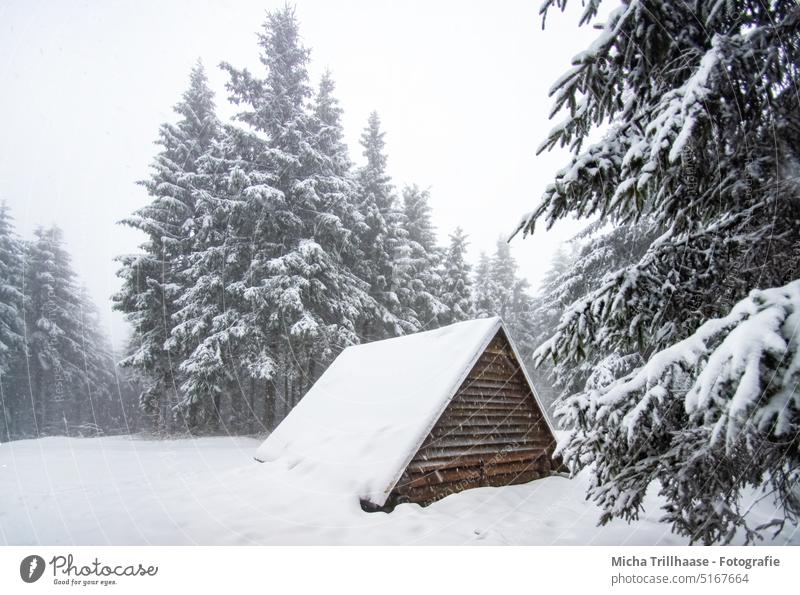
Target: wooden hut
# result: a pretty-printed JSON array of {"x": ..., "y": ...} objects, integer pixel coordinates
[{"x": 419, "y": 417}]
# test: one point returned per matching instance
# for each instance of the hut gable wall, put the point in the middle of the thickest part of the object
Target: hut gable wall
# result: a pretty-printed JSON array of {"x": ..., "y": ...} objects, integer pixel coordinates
[{"x": 492, "y": 433}]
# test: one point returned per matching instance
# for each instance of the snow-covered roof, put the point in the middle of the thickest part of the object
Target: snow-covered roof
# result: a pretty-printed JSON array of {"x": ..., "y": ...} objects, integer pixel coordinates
[{"x": 367, "y": 415}]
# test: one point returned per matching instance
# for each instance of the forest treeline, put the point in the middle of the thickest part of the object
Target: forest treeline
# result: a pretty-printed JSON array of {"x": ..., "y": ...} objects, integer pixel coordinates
[
  {"x": 267, "y": 252},
  {"x": 57, "y": 370}
]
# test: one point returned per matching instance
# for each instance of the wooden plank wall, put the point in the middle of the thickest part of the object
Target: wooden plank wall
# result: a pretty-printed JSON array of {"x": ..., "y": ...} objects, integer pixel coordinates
[{"x": 491, "y": 434}]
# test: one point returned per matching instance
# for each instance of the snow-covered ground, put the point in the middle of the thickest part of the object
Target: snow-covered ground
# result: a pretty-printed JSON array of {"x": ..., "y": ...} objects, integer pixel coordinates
[{"x": 127, "y": 490}]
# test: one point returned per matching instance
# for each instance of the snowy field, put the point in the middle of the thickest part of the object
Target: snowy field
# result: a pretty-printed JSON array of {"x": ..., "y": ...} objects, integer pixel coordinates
[{"x": 131, "y": 491}]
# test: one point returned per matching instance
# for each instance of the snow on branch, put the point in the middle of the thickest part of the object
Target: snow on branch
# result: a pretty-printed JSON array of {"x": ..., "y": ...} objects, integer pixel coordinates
[{"x": 745, "y": 368}]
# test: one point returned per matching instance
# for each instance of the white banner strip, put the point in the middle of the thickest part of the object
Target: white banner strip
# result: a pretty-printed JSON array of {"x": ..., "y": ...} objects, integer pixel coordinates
[{"x": 390, "y": 570}]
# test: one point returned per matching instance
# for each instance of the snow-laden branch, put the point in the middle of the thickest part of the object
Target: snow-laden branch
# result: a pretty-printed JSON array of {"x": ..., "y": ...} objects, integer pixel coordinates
[{"x": 745, "y": 368}]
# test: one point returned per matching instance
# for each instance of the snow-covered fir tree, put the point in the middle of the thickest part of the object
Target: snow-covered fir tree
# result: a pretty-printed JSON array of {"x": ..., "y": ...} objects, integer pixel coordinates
[
  {"x": 99, "y": 404},
  {"x": 275, "y": 108},
  {"x": 547, "y": 307},
  {"x": 222, "y": 354},
  {"x": 420, "y": 286},
  {"x": 483, "y": 293},
  {"x": 304, "y": 303},
  {"x": 500, "y": 291},
  {"x": 67, "y": 364},
  {"x": 574, "y": 271},
  {"x": 511, "y": 299},
  {"x": 53, "y": 328},
  {"x": 11, "y": 321},
  {"x": 457, "y": 279},
  {"x": 380, "y": 235},
  {"x": 154, "y": 279},
  {"x": 700, "y": 120},
  {"x": 337, "y": 227},
  {"x": 326, "y": 127},
  {"x": 503, "y": 276}
]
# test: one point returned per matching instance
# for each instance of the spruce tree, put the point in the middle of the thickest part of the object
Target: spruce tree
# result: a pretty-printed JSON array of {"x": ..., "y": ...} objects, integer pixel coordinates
[
  {"x": 276, "y": 146},
  {"x": 381, "y": 236},
  {"x": 153, "y": 279},
  {"x": 483, "y": 295},
  {"x": 457, "y": 280},
  {"x": 503, "y": 276},
  {"x": 98, "y": 405},
  {"x": 304, "y": 303},
  {"x": 595, "y": 251},
  {"x": 417, "y": 211},
  {"x": 548, "y": 305},
  {"x": 328, "y": 133},
  {"x": 66, "y": 366},
  {"x": 209, "y": 335},
  {"x": 509, "y": 297},
  {"x": 11, "y": 323},
  {"x": 701, "y": 141},
  {"x": 420, "y": 292}
]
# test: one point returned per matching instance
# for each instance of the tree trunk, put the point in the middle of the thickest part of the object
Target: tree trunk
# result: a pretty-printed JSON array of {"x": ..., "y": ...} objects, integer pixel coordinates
[
  {"x": 217, "y": 412},
  {"x": 286, "y": 394},
  {"x": 312, "y": 370},
  {"x": 5, "y": 414},
  {"x": 251, "y": 423},
  {"x": 40, "y": 409},
  {"x": 269, "y": 405},
  {"x": 76, "y": 414}
]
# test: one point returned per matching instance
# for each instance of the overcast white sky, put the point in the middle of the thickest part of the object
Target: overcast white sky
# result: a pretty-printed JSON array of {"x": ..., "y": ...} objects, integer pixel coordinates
[{"x": 461, "y": 88}]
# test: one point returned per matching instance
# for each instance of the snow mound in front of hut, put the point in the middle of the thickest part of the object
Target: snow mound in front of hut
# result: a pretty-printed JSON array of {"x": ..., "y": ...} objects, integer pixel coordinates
[{"x": 359, "y": 425}]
